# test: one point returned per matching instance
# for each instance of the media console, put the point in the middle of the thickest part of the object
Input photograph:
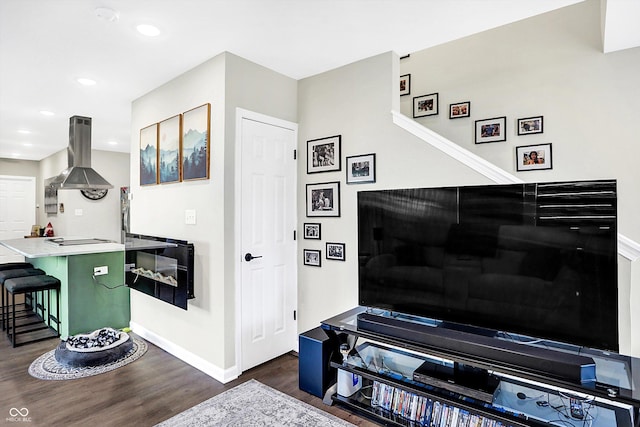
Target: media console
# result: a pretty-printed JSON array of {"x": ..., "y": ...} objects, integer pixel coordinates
[{"x": 412, "y": 372}]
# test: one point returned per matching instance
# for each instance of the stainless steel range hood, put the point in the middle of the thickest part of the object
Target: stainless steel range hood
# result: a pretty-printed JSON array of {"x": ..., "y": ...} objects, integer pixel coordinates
[{"x": 79, "y": 175}]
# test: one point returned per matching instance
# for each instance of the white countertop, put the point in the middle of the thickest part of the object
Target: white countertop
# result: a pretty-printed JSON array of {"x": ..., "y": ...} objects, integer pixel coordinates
[{"x": 39, "y": 247}]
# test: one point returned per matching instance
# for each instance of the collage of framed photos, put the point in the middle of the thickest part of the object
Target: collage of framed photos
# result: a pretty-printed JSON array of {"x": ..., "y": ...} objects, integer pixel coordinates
[
  {"x": 527, "y": 157},
  {"x": 176, "y": 149},
  {"x": 323, "y": 198}
]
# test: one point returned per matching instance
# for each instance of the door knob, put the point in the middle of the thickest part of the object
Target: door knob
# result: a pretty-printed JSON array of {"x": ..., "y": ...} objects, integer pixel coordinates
[{"x": 249, "y": 257}]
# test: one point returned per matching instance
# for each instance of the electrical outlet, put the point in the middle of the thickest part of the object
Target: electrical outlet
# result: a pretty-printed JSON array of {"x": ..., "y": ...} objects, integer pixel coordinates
[
  {"x": 100, "y": 271},
  {"x": 190, "y": 216}
]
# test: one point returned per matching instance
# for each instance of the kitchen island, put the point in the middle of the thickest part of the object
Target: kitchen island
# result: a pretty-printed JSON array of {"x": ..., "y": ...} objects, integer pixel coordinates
[{"x": 87, "y": 301}]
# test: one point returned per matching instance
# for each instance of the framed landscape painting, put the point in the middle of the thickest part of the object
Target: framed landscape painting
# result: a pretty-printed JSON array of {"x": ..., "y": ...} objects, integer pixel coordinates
[
  {"x": 195, "y": 143},
  {"x": 149, "y": 155},
  {"x": 169, "y": 150}
]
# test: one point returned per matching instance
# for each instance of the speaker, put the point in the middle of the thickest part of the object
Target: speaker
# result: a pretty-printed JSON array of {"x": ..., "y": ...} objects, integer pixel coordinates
[{"x": 315, "y": 351}]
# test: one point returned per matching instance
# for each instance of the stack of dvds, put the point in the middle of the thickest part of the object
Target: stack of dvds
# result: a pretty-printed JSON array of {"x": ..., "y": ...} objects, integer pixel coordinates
[{"x": 425, "y": 411}]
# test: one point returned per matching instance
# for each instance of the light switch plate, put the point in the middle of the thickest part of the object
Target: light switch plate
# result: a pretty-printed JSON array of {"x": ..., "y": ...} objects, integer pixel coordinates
[{"x": 190, "y": 216}]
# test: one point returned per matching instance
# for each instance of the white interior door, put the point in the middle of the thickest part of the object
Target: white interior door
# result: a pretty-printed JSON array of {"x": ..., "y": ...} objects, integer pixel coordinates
[
  {"x": 17, "y": 211},
  {"x": 268, "y": 249}
]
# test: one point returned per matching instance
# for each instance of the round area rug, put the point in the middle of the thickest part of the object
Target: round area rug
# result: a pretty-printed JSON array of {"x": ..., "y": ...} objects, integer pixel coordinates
[{"x": 46, "y": 367}]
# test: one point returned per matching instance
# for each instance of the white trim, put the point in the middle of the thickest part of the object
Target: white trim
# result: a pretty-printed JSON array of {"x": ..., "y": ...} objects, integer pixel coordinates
[
  {"x": 241, "y": 114},
  {"x": 218, "y": 374},
  {"x": 628, "y": 248}
]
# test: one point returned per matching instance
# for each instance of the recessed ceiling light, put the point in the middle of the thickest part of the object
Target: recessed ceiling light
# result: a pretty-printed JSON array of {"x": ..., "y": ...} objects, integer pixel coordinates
[
  {"x": 27, "y": 144},
  {"x": 112, "y": 142},
  {"x": 24, "y": 131},
  {"x": 85, "y": 81},
  {"x": 15, "y": 154},
  {"x": 148, "y": 30},
  {"x": 46, "y": 113}
]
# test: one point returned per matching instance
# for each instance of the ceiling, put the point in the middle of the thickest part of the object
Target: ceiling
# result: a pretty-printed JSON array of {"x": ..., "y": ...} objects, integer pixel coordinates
[{"x": 45, "y": 46}]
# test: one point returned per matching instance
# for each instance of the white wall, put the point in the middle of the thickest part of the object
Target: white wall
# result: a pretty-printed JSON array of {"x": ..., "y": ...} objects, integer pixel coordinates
[
  {"x": 550, "y": 65},
  {"x": 205, "y": 333}
]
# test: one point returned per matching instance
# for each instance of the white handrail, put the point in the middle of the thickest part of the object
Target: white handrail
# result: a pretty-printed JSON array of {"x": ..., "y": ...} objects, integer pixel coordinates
[{"x": 627, "y": 248}]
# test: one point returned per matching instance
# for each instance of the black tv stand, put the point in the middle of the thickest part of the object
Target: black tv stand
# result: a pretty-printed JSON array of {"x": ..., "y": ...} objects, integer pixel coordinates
[
  {"x": 540, "y": 361},
  {"x": 409, "y": 370}
]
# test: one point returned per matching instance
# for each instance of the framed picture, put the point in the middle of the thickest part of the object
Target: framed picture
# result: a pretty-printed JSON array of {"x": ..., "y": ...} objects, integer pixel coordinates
[
  {"x": 405, "y": 84},
  {"x": 311, "y": 230},
  {"x": 361, "y": 169},
  {"x": 491, "y": 130},
  {"x": 195, "y": 143},
  {"x": 530, "y": 125},
  {"x": 323, "y": 199},
  {"x": 534, "y": 157},
  {"x": 149, "y": 155},
  {"x": 459, "y": 110},
  {"x": 335, "y": 251},
  {"x": 312, "y": 257},
  {"x": 425, "y": 105},
  {"x": 169, "y": 136},
  {"x": 323, "y": 155}
]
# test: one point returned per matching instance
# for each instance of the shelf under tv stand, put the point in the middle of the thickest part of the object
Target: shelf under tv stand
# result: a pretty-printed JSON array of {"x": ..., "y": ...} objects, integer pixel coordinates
[{"x": 605, "y": 404}]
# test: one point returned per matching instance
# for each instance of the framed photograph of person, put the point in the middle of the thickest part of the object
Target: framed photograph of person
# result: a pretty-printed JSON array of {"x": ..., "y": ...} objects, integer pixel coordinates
[
  {"x": 534, "y": 157},
  {"x": 491, "y": 130},
  {"x": 323, "y": 200},
  {"x": 335, "y": 251},
  {"x": 323, "y": 155},
  {"x": 425, "y": 105},
  {"x": 312, "y": 257},
  {"x": 311, "y": 230},
  {"x": 459, "y": 110},
  {"x": 361, "y": 169},
  {"x": 405, "y": 84},
  {"x": 530, "y": 125}
]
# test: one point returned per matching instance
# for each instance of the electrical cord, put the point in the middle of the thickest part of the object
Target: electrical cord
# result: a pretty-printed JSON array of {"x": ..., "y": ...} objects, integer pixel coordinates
[{"x": 108, "y": 287}]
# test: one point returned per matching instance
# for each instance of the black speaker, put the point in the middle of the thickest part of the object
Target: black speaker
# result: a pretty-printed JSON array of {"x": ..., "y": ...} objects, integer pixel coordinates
[{"x": 315, "y": 351}]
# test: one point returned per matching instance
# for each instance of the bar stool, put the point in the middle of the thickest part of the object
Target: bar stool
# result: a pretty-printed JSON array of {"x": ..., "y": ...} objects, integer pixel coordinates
[
  {"x": 7, "y": 273},
  {"x": 36, "y": 284}
]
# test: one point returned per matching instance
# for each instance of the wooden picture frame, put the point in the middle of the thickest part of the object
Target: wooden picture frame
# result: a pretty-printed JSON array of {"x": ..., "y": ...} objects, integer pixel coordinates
[
  {"x": 169, "y": 137},
  {"x": 335, "y": 251},
  {"x": 405, "y": 84},
  {"x": 196, "y": 145},
  {"x": 491, "y": 130},
  {"x": 323, "y": 154},
  {"x": 534, "y": 157},
  {"x": 530, "y": 125},
  {"x": 361, "y": 169},
  {"x": 323, "y": 200},
  {"x": 312, "y": 230},
  {"x": 425, "y": 105},
  {"x": 460, "y": 110},
  {"x": 312, "y": 257},
  {"x": 149, "y": 155}
]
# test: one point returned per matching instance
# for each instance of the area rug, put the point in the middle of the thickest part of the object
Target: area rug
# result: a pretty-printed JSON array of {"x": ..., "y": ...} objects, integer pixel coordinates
[
  {"x": 253, "y": 404},
  {"x": 46, "y": 367}
]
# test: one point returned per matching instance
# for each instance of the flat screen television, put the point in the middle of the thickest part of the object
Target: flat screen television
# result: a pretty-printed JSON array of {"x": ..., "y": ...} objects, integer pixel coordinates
[{"x": 535, "y": 259}]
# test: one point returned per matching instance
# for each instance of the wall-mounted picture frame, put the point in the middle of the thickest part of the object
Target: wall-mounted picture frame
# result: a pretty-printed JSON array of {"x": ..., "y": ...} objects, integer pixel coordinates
[
  {"x": 149, "y": 155},
  {"x": 425, "y": 105},
  {"x": 312, "y": 230},
  {"x": 335, "y": 251},
  {"x": 312, "y": 257},
  {"x": 534, "y": 157},
  {"x": 169, "y": 137},
  {"x": 323, "y": 200},
  {"x": 530, "y": 125},
  {"x": 460, "y": 110},
  {"x": 405, "y": 84},
  {"x": 323, "y": 154},
  {"x": 196, "y": 146},
  {"x": 361, "y": 169},
  {"x": 491, "y": 130}
]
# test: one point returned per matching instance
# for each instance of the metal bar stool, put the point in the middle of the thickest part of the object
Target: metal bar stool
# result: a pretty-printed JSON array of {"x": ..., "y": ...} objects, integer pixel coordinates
[
  {"x": 18, "y": 270},
  {"x": 37, "y": 284}
]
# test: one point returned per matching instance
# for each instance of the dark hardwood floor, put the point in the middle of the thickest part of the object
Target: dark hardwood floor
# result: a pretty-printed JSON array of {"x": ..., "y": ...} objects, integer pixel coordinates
[{"x": 143, "y": 393}]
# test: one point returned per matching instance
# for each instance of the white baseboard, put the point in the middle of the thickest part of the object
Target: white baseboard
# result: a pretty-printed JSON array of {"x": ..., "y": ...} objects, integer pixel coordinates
[{"x": 218, "y": 374}]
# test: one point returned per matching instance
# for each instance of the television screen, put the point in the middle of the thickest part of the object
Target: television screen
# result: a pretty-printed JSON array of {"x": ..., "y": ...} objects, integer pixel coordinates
[{"x": 536, "y": 259}]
